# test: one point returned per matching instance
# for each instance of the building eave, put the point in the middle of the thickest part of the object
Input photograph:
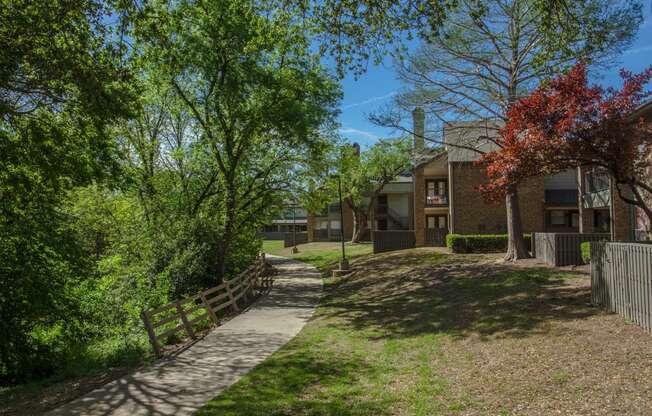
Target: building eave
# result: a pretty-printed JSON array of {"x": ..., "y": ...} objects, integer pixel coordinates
[{"x": 644, "y": 110}]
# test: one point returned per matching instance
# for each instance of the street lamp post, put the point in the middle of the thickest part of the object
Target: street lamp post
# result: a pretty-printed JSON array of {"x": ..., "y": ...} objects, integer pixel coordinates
[
  {"x": 344, "y": 263},
  {"x": 295, "y": 249}
]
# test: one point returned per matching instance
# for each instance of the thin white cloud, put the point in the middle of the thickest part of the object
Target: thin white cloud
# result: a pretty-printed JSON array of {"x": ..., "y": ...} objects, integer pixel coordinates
[
  {"x": 634, "y": 51},
  {"x": 370, "y": 100},
  {"x": 356, "y": 132}
]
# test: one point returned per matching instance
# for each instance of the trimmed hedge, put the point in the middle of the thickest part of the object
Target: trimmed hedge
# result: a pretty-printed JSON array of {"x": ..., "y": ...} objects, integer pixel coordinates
[
  {"x": 480, "y": 243},
  {"x": 585, "y": 248}
]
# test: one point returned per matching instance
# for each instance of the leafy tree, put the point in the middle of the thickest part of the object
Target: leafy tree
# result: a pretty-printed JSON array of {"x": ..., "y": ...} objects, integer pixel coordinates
[
  {"x": 355, "y": 31},
  {"x": 568, "y": 123},
  {"x": 254, "y": 91},
  {"x": 487, "y": 55},
  {"x": 62, "y": 85},
  {"x": 364, "y": 174}
]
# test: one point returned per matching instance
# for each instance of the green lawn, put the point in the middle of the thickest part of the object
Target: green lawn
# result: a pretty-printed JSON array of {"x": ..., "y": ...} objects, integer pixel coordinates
[
  {"x": 324, "y": 256},
  {"x": 424, "y": 333}
]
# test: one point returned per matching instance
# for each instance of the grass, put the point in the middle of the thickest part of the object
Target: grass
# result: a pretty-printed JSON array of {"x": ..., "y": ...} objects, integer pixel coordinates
[
  {"x": 424, "y": 333},
  {"x": 324, "y": 256}
]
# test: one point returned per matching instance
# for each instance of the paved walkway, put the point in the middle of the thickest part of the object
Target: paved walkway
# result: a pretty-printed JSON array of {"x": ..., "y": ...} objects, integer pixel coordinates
[{"x": 180, "y": 385}]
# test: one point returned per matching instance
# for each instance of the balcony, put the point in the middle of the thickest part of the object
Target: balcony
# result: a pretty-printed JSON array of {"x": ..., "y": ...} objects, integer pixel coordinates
[{"x": 437, "y": 200}]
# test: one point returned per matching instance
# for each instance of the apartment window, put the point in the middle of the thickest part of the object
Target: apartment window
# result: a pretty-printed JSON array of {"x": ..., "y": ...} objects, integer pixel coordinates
[
  {"x": 557, "y": 217},
  {"x": 335, "y": 225},
  {"x": 562, "y": 218},
  {"x": 436, "y": 192},
  {"x": 597, "y": 180},
  {"x": 437, "y": 222},
  {"x": 334, "y": 208}
]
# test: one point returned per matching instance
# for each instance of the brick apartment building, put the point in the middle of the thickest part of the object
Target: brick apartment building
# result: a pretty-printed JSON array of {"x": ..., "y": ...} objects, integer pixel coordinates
[
  {"x": 440, "y": 196},
  {"x": 601, "y": 208},
  {"x": 447, "y": 199}
]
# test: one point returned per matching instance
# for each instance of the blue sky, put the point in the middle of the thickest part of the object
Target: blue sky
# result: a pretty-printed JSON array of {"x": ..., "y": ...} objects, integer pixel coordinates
[{"x": 376, "y": 87}]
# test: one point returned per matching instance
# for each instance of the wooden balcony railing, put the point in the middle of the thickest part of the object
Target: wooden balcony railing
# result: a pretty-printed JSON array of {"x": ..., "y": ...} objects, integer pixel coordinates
[{"x": 436, "y": 200}]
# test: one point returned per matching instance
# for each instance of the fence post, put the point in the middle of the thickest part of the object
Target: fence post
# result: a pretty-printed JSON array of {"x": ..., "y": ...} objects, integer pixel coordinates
[
  {"x": 246, "y": 281},
  {"x": 208, "y": 307},
  {"x": 151, "y": 333},
  {"x": 231, "y": 297},
  {"x": 184, "y": 319}
]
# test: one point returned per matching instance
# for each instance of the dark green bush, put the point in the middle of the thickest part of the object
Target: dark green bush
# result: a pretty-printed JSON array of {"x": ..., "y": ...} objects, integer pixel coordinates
[
  {"x": 585, "y": 247},
  {"x": 480, "y": 243}
]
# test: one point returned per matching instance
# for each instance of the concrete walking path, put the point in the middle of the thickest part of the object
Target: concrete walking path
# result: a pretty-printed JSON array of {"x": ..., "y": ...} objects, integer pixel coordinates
[{"x": 180, "y": 385}]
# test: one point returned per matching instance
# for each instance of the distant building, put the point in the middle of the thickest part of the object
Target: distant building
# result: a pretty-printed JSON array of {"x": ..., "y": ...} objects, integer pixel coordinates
[
  {"x": 291, "y": 218},
  {"x": 440, "y": 195}
]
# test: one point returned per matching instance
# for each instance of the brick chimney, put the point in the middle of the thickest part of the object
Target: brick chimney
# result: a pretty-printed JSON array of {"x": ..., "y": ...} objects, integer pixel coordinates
[
  {"x": 356, "y": 146},
  {"x": 418, "y": 122}
]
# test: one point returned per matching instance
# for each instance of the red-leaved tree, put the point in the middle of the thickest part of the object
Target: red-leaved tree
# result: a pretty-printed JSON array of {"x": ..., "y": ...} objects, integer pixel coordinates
[{"x": 567, "y": 123}]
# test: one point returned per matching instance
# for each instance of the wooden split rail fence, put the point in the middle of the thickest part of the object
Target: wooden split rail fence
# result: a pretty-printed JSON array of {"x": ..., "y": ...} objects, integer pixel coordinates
[{"x": 185, "y": 314}]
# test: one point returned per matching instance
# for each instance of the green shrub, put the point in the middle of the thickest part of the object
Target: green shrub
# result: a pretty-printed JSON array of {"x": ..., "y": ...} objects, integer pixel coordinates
[
  {"x": 480, "y": 243},
  {"x": 585, "y": 247}
]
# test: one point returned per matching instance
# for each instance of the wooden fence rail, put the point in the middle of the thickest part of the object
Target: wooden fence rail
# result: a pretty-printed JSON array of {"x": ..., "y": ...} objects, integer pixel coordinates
[
  {"x": 183, "y": 315},
  {"x": 621, "y": 280}
]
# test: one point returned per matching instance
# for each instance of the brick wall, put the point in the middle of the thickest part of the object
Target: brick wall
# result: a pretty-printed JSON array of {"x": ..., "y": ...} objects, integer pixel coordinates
[
  {"x": 471, "y": 214},
  {"x": 620, "y": 218}
]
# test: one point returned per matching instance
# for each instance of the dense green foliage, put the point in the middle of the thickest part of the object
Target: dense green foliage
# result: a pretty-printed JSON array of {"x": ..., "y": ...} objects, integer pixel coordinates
[
  {"x": 480, "y": 243},
  {"x": 61, "y": 88},
  {"x": 133, "y": 175},
  {"x": 585, "y": 248}
]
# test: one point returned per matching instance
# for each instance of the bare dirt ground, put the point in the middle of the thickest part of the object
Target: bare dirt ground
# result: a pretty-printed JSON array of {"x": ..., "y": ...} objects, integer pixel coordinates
[{"x": 523, "y": 337}]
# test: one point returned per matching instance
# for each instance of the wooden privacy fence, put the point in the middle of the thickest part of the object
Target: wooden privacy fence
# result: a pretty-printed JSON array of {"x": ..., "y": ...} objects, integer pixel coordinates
[
  {"x": 320, "y": 235},
  {"x": 393, "y": 240},
  {"x": 562, "y": 249},
  {"x": 621, "y": 280},
  {"x": 289, "y": 238},
  {"x": 184, "y": 315}
]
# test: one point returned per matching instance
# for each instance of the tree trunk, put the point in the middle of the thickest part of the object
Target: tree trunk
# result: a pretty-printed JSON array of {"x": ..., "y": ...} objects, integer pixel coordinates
[
  {"x": 516, "y": 248},
  {"x": 359, "y": 225},
  {"x": 227, "y": 236}
]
